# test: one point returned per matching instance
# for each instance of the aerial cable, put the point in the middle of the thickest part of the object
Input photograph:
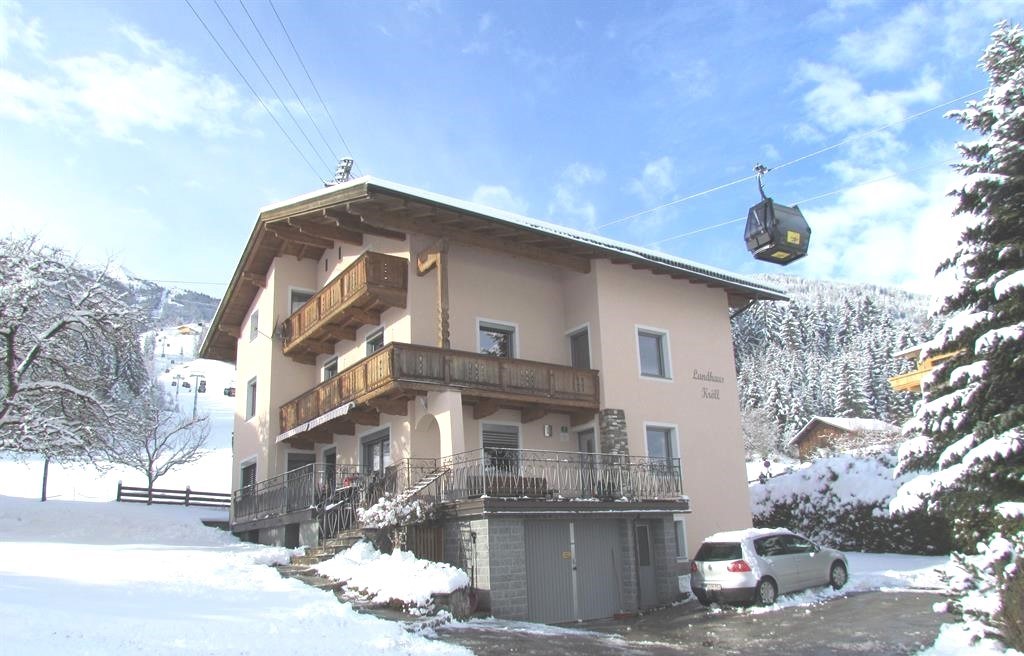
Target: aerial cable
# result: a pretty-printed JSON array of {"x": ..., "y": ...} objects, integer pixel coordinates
[
  {"x": 287, "y": 80},
  {"x": 311, "y": 82},
  {"x": 270, "y": 84},
  {"x": 696, "y": 231},
  {"x": 264, "y": 105},
  {"x": 820, "y": 151}
]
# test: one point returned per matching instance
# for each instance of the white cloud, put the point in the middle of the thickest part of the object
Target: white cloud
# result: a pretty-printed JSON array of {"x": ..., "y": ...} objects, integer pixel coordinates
[
  {"x": 568, "y": 205},
  {"x": 500, "y": 197},
  {"x": 656, "y": 181},
  {"x": 839, "y": 102},
  {"x": 15, "y": 30},
  {"x": 891, "y": 46},
  {"x": 153, "y": 89}
]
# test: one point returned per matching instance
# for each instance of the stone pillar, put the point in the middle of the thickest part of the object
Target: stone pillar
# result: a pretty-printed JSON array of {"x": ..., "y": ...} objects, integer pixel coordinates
[{"x": 614, "y": 439}]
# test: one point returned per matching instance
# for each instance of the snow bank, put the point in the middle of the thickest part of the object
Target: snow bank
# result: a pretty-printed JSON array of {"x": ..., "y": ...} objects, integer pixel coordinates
[
  {"x": 400, "y": 575},
  {"x": 107, "y": 578}
]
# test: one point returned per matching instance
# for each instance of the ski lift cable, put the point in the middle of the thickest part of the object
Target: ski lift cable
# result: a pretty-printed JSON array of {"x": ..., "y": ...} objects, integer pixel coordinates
[
  {"x": 690, "y": 233},
  {"x": 266, "y": 79},
  {"x": 280, "y": 68},
  {"x": 820, "y": 151},
  {"x": 312, "y": 83},
  {"x": 254, "y": 93}
]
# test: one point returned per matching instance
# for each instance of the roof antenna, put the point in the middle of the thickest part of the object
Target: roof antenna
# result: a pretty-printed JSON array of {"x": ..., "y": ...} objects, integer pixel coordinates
[{"x": 344, "y": 172}]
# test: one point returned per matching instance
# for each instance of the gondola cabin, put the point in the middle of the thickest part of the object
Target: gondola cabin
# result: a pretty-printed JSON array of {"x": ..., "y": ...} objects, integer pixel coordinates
[{"x": 776, "y": 233}]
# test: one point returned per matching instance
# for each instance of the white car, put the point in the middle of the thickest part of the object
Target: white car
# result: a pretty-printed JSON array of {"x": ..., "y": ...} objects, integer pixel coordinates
[{"x": 758, "y": 564}]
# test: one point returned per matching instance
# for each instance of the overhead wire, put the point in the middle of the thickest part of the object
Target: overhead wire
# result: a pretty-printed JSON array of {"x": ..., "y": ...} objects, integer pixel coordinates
[
  {"x": 254, "y": 93},
  {"x": 820, "y": 151},
  {"x": 288, "y": 80},
  {"x": 266, "y": 79},
  {"x": 312, "y": 83},
  {"x": 659, "y": 242}
]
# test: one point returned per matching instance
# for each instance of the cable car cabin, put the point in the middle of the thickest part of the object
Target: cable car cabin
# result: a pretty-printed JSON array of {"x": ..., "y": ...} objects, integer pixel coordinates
[{"x": 776, "y": 233}]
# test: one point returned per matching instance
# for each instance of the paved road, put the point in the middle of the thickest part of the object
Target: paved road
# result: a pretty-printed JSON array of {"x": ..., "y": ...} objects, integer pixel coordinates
[{"x": 877, "y": 623}]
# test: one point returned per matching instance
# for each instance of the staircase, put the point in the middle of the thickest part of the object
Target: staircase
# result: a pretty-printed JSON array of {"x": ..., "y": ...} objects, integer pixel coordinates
[{"x": 423, "y": 483}]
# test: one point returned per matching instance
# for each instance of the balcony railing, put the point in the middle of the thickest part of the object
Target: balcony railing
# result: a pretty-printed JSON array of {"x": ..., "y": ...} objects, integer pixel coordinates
[
  {"x": 334, "y": 494},
  {"x": 373, "y": 282},
  {"x": 407, "y": 366}
]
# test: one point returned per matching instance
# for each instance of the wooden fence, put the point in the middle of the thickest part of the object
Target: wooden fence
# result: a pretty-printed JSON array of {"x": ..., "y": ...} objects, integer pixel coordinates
[{"x": 186, "y": 497}]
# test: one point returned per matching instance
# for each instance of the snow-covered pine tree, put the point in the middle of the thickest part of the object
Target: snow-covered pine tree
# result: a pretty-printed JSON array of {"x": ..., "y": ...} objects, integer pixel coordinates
[{"x": 971, "y": 421}]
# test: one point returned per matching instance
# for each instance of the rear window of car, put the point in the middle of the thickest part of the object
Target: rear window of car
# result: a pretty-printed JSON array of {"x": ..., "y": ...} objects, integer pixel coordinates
[{"x": 719, "y": 551}]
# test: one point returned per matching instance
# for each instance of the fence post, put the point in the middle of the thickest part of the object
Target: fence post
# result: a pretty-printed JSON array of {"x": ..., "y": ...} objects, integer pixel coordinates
[
  {"x": 188, "y": 492},
  {"x": 119, "y": 490}
]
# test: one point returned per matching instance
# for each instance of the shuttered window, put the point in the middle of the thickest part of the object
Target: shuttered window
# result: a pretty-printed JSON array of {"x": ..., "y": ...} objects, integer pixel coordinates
[{"x": 501, "y": 445}]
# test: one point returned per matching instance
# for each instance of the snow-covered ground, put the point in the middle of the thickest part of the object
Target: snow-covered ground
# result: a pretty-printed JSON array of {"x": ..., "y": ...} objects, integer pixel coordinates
[
  {"x": 173, "y": 357},
  {"x": 109, "y": 579}
]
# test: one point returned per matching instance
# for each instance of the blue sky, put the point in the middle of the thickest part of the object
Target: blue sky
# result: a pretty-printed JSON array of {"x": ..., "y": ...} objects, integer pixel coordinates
[{"x": 125, "y": 133}]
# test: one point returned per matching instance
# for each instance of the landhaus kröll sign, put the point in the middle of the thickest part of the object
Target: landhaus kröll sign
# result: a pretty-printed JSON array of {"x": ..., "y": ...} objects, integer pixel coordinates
[{"x": 711, "y": 390}]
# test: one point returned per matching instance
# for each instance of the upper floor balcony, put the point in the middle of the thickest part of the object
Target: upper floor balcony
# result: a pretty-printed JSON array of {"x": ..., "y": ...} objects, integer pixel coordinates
[
  {"x": 354, "y": 298},
  {"x": 397, "y": 372}
]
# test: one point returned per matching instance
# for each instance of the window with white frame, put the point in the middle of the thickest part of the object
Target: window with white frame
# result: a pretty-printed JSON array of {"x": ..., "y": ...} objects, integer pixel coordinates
[
  {"x": 653, "y": 350},
  {"x": 500, "y": 443},
  {"x": 330, "y": 369},
  {"x": 374, "y": 341},
  {"x": 680, "y": 530},
  {"x": 661, "y": 442},
  {"x": 497, "y": 338},
  {"x": 254, "y": 325},
  {"x": 248, "y": 476},
  {"x": 250, "y": 399},
  {"x": 299, "y": 297},
  {"x": 376, "y": 451}
]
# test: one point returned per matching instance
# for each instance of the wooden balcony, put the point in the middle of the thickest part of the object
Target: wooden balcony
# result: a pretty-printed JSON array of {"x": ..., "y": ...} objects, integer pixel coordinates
[
  {"x": 911, "y": 380},
  {"x": 386, "y": 380},
  {"x": 354, "y": 298}
]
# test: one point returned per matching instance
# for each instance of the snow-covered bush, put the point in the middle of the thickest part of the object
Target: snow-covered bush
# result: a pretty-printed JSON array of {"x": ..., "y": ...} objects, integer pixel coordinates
[
  {"x": 391, "y": 514},
  {"x": 843, "y": 502}
]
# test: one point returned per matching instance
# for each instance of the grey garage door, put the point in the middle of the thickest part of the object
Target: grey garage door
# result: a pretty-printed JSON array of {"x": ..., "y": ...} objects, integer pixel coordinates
[{"x": 552, "y": 547}]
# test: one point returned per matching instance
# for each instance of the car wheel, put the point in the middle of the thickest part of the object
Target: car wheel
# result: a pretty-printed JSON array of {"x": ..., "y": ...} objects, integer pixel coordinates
[
  {"x": 766, "y": 592},
  {"x": 837, "y": 575},
  {"x": 702, "y": 598}
]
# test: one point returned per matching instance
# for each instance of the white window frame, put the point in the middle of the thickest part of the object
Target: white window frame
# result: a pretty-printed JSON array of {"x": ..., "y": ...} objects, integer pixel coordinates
[
  {"x": 519, "y": 438},
  {"x": 370, "y": 335},
  {"x": 301, "y": 290},
  {"x": 666, "y": 353},
  {"x": 361, "y": 443},
  {"x": 483, "y": 322},
  {"x": 683, "y": 553},
  {"x": 250, "y": 401},
  {"x": 254, "y": 325},
  {"x": 323, "y": 370},
  {"x": 676, "y": 453},
  {"x": 584, "y": 327},
  {"x": 253, "y": 461}
]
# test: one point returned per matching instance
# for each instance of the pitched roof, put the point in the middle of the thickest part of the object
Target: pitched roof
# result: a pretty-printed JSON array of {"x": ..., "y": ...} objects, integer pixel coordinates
[
  {"x": 390, "y": 200},
  {"x": 848, "y": 424}
]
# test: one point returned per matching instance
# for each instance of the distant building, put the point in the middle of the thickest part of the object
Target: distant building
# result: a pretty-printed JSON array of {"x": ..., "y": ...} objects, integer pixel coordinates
[
  {"x": 912, "y": 380},
  {"x": 188, "y": 329},
  {"x": 841, "y": 433}
]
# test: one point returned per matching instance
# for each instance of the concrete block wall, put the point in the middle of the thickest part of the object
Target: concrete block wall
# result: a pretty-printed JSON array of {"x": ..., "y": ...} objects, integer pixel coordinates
[
  {"x": 630, "y": 585},
  {"x": 663, "y": 539},
  {"x": 507, "y": 568}
]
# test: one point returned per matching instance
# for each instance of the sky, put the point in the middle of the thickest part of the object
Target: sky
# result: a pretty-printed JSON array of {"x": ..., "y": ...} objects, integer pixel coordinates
[{"x": 127, "y": 135}]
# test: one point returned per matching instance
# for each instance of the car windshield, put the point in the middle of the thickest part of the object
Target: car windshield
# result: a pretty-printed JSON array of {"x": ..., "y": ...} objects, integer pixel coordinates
[{"x": 719, "y": 551}]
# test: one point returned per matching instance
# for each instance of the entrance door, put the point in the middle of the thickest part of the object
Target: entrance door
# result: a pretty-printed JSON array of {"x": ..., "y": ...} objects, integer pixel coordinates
[
  {"x": 645, "y": 565},
  {"x": 579, "y": 349}
]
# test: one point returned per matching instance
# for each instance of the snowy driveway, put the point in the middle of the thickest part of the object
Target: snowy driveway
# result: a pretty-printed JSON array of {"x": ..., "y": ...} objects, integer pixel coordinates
[{"x": 860, "y": 623}]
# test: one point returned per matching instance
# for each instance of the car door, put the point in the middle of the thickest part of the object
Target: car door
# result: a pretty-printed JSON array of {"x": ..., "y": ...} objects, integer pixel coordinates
[
  {"x": 777, "y": 562},
  {"x": 808, "y": 567}
]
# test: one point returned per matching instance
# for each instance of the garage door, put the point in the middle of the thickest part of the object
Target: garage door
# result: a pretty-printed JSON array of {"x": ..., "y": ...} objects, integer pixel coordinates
[{"x": 553, "y": 593}]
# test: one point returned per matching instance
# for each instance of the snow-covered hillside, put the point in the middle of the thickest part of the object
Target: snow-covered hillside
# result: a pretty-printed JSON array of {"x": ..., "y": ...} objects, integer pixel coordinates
[{"x": 173, "y": 362}]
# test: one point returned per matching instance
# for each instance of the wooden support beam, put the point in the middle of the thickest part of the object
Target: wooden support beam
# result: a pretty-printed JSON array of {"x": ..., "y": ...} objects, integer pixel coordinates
[
  {"x": 350, "y": 218},
  {"x": 337, "y": 333},
  {"x": 365, "y": 317},
  {"x": 485, "y": 408},
  {"x": 532, "y": 413},
  {"x": 254, "y": 279},
  {"x": 577, "y": 418},
  {"x": 284, "y": 232},
  {"x": 398, "y": 406},
  {"x": 332, "y": 232},
  {"x": 368, "y": 417},
  {"x": 323, "y": 348}
]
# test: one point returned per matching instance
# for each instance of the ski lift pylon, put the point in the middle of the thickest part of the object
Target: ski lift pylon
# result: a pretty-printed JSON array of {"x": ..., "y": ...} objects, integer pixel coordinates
[{"x": 775, "y": 233}]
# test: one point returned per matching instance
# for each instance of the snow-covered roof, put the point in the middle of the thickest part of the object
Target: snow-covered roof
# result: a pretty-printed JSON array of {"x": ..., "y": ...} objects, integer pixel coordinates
[{"x": 848, "y": 424}]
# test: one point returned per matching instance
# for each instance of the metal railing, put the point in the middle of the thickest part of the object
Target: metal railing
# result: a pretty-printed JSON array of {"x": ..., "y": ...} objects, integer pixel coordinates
[{"x": 335, "y": 493}]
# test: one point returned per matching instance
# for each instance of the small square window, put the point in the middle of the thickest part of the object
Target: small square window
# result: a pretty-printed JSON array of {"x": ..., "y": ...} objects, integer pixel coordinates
[
  {"x": 254, "y": 325},
  {"x": 250, "y": 399},
  {"x": 497, "y": 339},
  {"x": 248, "y": 475},
  {"x": 653, "y": 354},
  {"x": 331, "y": 369},
  {"x": 375, "y": 341},
  {"x": 661, "y": 442},
  {"x": 299, "y": 298}
]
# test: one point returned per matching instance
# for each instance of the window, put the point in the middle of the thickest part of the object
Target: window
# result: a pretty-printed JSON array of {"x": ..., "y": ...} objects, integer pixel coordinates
[
  {"x": 299, "y": 298},
  {"x": 497, "y": 339},
  {"x": 374, "y": 341},
  {"x": 579, "y": 349},
  {"x": 661, "y": 442},
  {"x": 248, "y": 475},
  {"x": 330, "y": 369},
  {"x": 254, "y": 325},
  {"x": 501, "y": 447},
  {"x": 680, "y": 527},
  {"x": 377, "y": 451},
  {"x": 250, "y": 399},
  {"x": 653, "y": 347}
]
